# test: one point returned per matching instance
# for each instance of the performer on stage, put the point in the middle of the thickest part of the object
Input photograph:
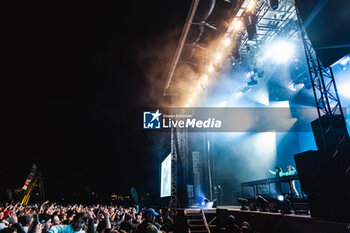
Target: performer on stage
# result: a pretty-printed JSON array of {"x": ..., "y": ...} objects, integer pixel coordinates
[
  {"x": 277, "y": 171},
  {"x": 290, "y": 171},
  {"x": 219, "y": 194},
  {"x": 291, "y": 184}
]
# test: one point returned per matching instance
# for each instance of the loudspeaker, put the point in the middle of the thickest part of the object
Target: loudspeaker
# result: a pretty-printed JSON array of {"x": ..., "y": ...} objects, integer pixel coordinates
[
  {"x": 312, "y": 167},
  {"x": 329, "y": 131},
  {"x": 309, "y": 172},
  {"x": 221, "y": 217},
  {"x": 327, "y": 189}
]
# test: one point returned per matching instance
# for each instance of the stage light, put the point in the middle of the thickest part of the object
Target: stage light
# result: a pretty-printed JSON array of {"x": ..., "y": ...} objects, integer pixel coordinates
[
  {"x": 345, "y": 63},
  {"x": 199, "y": 85},
  {"x": 206, "y": 203},
  {"x": 194, "y": 94},
  {"x": 190, "y": 100},
  {"x": 251, "y": 4},
  {"x": 205, "y": 77},
  {"x": 243, "y": 203},
  {"x": 186, "y": 105},
  {"x": 227, "y": 41},
  {"x": 218, "y": 56},
  {"x": 252, "y": 82},
  {"x": 261, "y": 203},
  {"x": 273, "y": 4},
  {"x": 238, "y": 25},
  {"x": 295, "y": 87},
  {"x": 280, "y": 51},
  {"x": 252, "y": 206},
  {"x": 285, "y": 204},
  {"x": 250, "y": 24},
  {"x": 249, "y": 74},
  {"x": 211, "y": 68},
  {"x": 344, "y": 60}
]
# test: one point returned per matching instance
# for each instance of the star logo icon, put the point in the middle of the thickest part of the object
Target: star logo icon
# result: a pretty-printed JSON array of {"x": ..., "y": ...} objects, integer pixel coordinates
[{"x": 156, "y": 115}]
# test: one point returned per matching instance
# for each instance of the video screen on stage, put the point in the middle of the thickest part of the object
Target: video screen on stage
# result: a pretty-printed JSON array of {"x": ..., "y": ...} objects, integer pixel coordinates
[{"x": 165, "y": 182}]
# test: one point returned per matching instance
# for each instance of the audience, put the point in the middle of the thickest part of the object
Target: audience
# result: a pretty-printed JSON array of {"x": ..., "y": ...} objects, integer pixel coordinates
[{"x": 53, "y": 218}]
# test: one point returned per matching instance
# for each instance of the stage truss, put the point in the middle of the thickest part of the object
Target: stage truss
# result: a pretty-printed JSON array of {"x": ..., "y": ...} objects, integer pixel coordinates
[{"x": 270, "y": 24}]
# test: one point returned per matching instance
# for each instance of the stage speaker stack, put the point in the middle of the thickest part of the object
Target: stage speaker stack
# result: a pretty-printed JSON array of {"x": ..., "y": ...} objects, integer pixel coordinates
[{"x": 325, "y": 174}]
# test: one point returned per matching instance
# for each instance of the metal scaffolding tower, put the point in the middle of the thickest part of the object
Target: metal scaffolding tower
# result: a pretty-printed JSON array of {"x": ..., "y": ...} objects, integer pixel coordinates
[{"x": 174, "y": 202}]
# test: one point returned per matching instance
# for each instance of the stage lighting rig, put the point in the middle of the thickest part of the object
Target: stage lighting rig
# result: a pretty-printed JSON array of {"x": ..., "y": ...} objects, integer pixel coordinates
[
  {"x": 279, "y": 51},
  {"x": 284, "y": 204},
  {"x": 261, "y": 203},
  {"x": 273, "y": 4},
  {"x": 252, "y": 81},
  {"x": 252, "y": 206},
  {"x": 243, "y": 203}
]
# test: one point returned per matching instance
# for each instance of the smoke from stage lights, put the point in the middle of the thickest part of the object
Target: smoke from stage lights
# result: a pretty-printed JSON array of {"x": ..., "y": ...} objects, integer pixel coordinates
[{"x": 280, "y": 51}]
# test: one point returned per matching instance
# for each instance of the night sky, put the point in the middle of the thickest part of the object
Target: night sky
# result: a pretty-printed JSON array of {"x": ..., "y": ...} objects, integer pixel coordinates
[{"x": 78, "y": 78}]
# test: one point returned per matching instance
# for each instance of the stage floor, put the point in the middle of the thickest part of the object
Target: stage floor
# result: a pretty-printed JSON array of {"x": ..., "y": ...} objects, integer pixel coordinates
[{"x": 272, "y": 222}]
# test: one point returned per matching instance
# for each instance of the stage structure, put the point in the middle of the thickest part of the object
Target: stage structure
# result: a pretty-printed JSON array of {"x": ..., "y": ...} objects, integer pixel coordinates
[{"x": 252, "y": 24}]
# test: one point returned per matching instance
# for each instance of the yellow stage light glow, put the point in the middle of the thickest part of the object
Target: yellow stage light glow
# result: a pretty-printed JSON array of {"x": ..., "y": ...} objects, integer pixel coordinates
[
  {"x": 205, "y": 77},
  {"x": 190, "y": 100},
  {"x": 251, "y": 5},
  {"x": 194, "y": 94},
  {"x": 186, "y": 105},
  {"x": 227, "y": 41}
]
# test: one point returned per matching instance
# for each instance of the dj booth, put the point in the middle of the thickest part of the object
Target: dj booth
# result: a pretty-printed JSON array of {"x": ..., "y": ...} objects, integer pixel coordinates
[{"x": 271, "y": 187}]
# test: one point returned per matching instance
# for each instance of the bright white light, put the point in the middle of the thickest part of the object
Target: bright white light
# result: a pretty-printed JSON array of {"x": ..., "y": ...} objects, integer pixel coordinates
[
  {"x": 238, "y": 25},
  {"x": 344, "y": 60},
  {"x": 279, "y": 104},
  {"x": 280, "y": 198},
  {"x": 251, "y": 4},
  {"x": 218, "y": 56},
  {"x": 295, "y": 87},
  {"x": 249, "y": 74},
  {"x": 190, "y": 100},
  {"x": 211, "y": 68},
  {"x": 344, "y": 88},
  {"x": 205, "y": 77},
  {"x": 280, "y": 51},
  {"x": 186, "y": 105},
  {"x": 194, "y": 94},
  {"x": 222, "y": 104},
  {"x": 210, "y": 204}
]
